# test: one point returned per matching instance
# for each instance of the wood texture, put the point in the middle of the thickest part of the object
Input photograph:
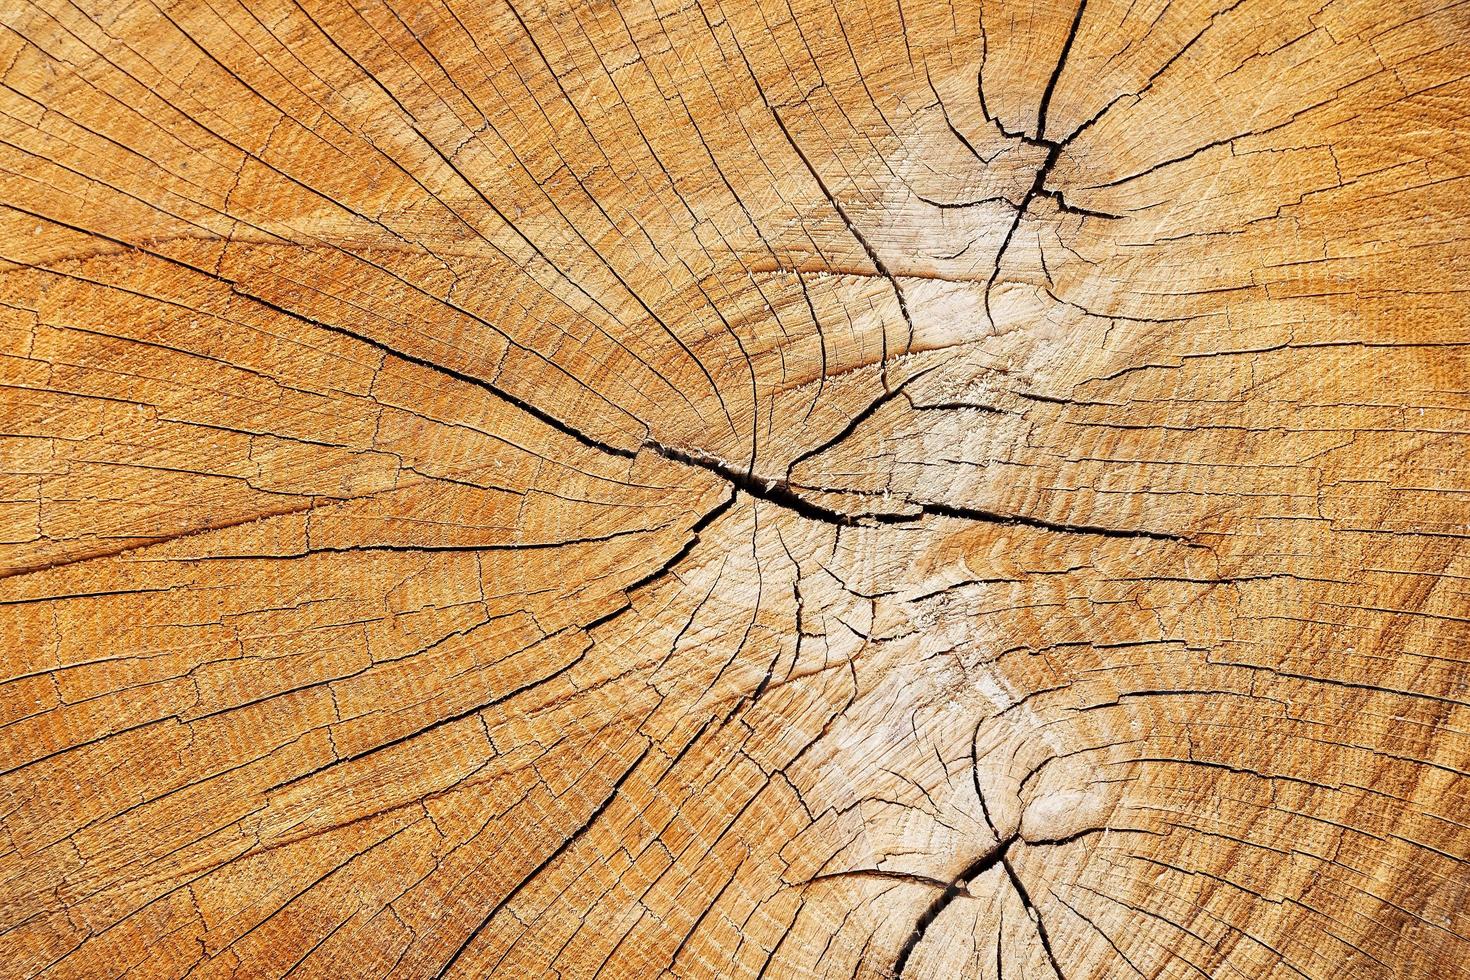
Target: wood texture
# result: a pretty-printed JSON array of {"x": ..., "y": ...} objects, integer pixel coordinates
[{"x": 750, "y": 488}]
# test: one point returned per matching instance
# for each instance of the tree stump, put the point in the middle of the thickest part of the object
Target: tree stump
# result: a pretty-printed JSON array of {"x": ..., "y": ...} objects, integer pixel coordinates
[{"x": 735, "y": 488}]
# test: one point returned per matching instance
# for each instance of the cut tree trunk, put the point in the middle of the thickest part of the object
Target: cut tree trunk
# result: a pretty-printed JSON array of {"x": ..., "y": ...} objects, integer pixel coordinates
[{"x": 750, "y": 488}]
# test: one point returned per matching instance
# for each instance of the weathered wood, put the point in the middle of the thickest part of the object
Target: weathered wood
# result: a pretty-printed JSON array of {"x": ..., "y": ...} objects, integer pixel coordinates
[{"x": 735, "y": 488}]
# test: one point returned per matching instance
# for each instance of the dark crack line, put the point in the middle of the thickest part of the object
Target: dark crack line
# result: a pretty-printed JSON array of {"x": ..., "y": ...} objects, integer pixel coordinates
[
  {"x": 956, "y": 888},
  {"x": 566, "y": 844},
  {"x": 1054, "y": 150},
  {"x": 882, "y": 269},
  {"x": 781, "y": 493},
  {"x": 778, "y": 492},
  {"x": 1035, "y": 915},
  {"x": 888, "y": 395},
  {"x": 1051, "y": 85},
  {"x": 1025, "y": 520},
  {"x": 536, "y": 413}
]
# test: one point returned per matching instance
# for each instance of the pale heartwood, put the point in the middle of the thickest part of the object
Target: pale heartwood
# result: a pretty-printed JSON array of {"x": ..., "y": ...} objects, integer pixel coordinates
[{"x": 735, "y": 488}]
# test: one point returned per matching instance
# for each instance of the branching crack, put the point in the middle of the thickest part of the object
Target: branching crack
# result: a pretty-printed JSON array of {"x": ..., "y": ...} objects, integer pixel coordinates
[
  {"x": 1035, "y": 914},
  {"x": 781, "y": 493},
  {"x": 955, "y": 889}
]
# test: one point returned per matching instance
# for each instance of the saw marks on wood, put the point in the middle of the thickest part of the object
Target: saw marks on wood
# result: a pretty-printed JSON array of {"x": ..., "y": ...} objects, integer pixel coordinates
[{"x": 750, "y": 488}]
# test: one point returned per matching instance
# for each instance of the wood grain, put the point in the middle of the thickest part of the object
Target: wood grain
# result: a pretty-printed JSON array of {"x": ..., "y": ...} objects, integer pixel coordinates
[{"x": 735, "y": 488}]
